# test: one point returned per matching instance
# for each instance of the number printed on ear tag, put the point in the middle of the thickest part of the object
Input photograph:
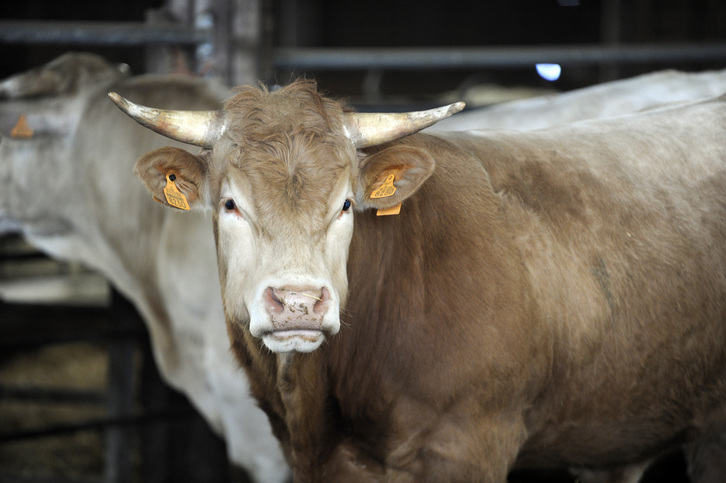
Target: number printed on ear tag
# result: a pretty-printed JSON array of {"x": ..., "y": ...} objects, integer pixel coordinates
[
  {"x": 386, "y": 189},
  {"x": 173, "y": 196}
]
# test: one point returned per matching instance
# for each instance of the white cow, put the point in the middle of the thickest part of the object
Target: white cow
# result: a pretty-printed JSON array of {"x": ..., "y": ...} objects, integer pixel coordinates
[
  {"x": 598, "y": 101},
  {"x": 67, "y": 184}
]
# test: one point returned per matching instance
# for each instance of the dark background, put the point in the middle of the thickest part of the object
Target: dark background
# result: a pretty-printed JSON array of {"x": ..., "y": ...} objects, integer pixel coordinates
[{"x": 386, "y": 23}]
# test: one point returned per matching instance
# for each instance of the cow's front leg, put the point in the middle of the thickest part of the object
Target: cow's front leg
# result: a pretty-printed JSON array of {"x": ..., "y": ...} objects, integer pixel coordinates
[
  {"x": 465, "y": 443},
  {"x": 481, "y": 451}
]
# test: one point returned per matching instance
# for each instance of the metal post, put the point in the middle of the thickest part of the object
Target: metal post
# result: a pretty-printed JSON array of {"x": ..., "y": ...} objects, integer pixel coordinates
[
  {"x": 609, "y": 35},
  {"x": 121, "y": 380},
  {"x": 237, "y": 37}
]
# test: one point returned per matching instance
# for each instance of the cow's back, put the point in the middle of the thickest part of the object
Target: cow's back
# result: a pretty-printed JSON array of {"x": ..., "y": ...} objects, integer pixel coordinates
[
  {"x": 600, "y": 101},
  {"x": 623, "y": 237}
]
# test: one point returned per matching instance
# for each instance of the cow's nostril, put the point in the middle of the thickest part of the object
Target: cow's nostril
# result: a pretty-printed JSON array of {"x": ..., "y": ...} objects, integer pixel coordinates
[
  {"x": 272, "y": 303},
  {"x": 321, "y": 306}
]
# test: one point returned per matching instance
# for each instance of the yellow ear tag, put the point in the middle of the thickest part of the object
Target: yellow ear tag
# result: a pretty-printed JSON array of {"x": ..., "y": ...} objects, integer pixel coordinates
[
  {"x": 393, "y": 210},
  {"x": 21, "y": 129},
  {"x": 386, "y": 189},
  {"x": 173, "y": 196}
]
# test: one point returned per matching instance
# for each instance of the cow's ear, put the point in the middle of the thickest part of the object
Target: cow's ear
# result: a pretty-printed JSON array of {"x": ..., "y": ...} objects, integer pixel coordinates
[
  {"x": 392, "y": 175},
  {"x": 163, "y": 167}
]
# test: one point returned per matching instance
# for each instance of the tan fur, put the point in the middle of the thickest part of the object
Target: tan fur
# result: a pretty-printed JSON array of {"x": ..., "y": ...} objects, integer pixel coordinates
[
  {"x": 286, "y": 146},
  {"x": 154, "y": 167},
  {"x": 555, "y": 298}
]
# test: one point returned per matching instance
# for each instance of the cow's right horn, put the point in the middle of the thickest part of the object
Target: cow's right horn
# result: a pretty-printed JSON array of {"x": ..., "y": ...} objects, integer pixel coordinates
[
  {"x": 201, "y": 128},
  {"x": 371, "y": 129}
]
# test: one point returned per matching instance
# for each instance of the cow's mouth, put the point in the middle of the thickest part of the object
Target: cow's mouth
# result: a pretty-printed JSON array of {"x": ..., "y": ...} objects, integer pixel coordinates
[
  {"x": 307, "y": 334},
  {"x": 299, "y": 340}
]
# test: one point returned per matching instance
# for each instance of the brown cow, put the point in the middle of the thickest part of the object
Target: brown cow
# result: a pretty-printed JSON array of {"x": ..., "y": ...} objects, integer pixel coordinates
[{"x": 550, "y": 298}]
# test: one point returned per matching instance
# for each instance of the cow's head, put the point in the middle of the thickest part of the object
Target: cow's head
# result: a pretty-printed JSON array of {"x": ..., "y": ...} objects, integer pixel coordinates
[
  {"x": 283, "y": 173},
  {"x": 40, "y": 112}
]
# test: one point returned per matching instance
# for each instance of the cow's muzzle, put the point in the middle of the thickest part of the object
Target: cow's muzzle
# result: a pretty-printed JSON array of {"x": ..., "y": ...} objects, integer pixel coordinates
[{"x": 297, "y": 315}]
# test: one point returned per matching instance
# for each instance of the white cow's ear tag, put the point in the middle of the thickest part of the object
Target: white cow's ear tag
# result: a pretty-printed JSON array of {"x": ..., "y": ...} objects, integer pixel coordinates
[
  {"x": 21, "y": 129},
  {"x": 384, "y": 191},
  {"x": 173, "y": 196}
]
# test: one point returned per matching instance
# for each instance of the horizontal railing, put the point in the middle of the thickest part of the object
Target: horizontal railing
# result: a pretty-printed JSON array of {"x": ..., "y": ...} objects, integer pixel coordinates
[{"x": 131, "y": 34}]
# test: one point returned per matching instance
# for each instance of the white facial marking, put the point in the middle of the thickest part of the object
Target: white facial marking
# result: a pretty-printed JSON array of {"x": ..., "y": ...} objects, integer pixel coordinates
[{"x": 289, "y": 284}]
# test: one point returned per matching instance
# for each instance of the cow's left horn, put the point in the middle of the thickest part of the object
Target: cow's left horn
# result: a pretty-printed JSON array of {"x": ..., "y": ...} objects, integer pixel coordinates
[
  {"x": 201, "y": 128},
  {"x": 371, "y": 129}
]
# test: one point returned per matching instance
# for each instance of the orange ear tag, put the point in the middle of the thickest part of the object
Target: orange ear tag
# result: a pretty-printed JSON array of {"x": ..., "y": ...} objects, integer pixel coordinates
[
  {"x": 21, "y": 129},
  {"x": 384, "y": 191},
  {"x": 393, "y": 210},
  {"x": 173, "y": 196}
]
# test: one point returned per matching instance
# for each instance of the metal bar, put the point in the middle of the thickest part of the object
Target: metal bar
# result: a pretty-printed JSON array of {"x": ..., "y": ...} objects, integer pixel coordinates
[
  {"x": 27, "y": 326},
  {"x": 98, "y": 33},
  {"x": 95, "y": 424},
  {"x": 25, "y": 478},
  {"x": 492, "y": 57},
  {"x": 39, "y": 341},
  {"x": 20, "y": 256},
  {"x": 51, "y": 395}
]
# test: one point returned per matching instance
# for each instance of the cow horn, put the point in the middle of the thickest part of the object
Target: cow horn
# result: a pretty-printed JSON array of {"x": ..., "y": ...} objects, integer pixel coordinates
[
  {"x": 371, "y": 129},
  {"x": 201, "y": 128}
]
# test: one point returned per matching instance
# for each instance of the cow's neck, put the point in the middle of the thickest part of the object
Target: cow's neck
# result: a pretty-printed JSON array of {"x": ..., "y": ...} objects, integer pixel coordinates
[
  {"x": 292, "y": 390},
  {"x": 302, "y": 387},
  {"x": 424, "y": 289}
]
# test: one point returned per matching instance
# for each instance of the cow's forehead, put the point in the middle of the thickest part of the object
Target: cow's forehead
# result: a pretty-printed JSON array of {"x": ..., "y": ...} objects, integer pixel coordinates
[
  {"x": 292, "y": 177},
  {"x": 288, "y": 149},
  {"x": 255, "y": 114}
]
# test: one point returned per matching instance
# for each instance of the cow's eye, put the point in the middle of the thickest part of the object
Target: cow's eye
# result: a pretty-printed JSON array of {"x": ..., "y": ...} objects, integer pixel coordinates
[
  {"x": 229, "y": 205},
  {"x": 346, "y": 205}
]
